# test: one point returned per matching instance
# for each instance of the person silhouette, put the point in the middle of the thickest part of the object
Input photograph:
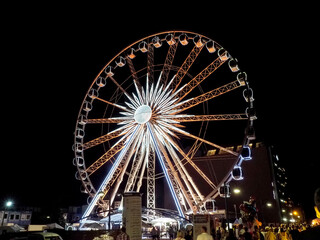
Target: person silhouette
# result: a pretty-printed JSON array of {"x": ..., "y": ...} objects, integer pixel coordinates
[
  {"x": 314, "y": 232},
  {"x": 204, "y": 235}
]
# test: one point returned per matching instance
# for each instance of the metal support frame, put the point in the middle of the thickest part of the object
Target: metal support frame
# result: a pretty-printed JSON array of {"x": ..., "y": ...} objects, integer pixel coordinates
[{"x": 160, "y": 131}]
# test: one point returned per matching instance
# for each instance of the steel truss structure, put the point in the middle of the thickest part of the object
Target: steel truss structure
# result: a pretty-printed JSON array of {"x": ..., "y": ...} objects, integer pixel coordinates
[{"x": 146, "y": 105}]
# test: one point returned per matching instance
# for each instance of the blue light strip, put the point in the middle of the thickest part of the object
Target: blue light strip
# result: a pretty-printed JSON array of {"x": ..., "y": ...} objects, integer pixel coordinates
[
  {"x": 164, "y": 169},
  {"x": 110, "y": 173}
]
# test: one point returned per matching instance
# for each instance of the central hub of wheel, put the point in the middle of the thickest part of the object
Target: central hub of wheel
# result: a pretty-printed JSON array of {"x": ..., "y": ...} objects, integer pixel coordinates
[{"x": 143, "y": 114}]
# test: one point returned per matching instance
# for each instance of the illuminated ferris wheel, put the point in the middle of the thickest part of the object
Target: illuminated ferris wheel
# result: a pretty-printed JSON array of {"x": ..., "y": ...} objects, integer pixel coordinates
[{"x": 150, "y": 113}]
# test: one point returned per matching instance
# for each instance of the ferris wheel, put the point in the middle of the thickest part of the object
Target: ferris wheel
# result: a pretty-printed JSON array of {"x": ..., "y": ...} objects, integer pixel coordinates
[{"x": 153, "y": 111}]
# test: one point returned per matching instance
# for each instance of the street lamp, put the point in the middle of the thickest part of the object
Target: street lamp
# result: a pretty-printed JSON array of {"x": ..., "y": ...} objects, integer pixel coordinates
[
  {"x": 236, "y": 191},
  {"x": 7, "y": 205}
]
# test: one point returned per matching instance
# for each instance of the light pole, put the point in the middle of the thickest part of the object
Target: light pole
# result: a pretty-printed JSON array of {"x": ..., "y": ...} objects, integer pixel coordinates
[
  {"x": 7, "y": 205},
  {"x": 227, "y": 194},
  {"x": 236, "y": 191},
  {"x": 224, "y": 191}
]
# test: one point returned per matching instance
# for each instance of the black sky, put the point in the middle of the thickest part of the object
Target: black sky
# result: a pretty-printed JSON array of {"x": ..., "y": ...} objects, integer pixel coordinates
[{"x": 49, "y": 60}]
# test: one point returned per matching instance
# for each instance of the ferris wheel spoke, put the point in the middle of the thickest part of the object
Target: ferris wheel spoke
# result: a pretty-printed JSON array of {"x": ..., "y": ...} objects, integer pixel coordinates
[
  {"x": 165, "y": 98},
  {"x": 215, "y": 117},
  {"x": 106, "y": 157},
  {"x": 111, "y": 135},
  {"x": 181, "y": 167},
  {"x": 115, "y": 105},
  {"x": 193, "y": 150},
  {"x": 150, "y": 163},
  {"x": 117, "y": 177},
  {"x": 118, "y": 85},
  {"x": 185, "y": 66},
  {"x": 209, "y": 95},
  {"x": 136, "y": 165},
  {"x": 168, "y": 62},
  {"x": 150, "y": 62},
  {"x": 200, "y": 77},
  {"x": 121, "y": 88},
  {"x": 195, "y": 167},
  {"x": 198, "y": 138},
  {"x": 132, "y": 69},
  {"x": 158, "y": 93},
  {"x": 185, "y": 156},
  {"x": 186, "y": 178},
  {"x": 168, "y": 170},
  {"x": 136, "y": 83},
  {"x": 107, "y": 120},
  {"x": 190, "y": 196},
  {"x": 106, "y": 180},
  {"x": 194, "y": 195},
  {"x": 227, "y": 178},
  {"x": 148, "y": 156},
  {"x": 117, "y": 147}
]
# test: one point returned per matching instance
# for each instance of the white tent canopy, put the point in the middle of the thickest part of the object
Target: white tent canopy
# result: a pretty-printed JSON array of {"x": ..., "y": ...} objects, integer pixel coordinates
[
  {"x": 54, "y": 226},
  {"x": 114, "y": 218}
]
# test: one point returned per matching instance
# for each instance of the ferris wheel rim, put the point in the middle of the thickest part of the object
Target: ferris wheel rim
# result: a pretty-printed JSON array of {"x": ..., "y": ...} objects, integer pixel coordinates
[
  {"x": 227, "y": 178},
  {"x": 138, "y": 41}
]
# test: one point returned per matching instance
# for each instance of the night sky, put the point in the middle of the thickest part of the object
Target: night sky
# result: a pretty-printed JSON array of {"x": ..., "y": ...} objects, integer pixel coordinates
[{"x": 50, "y": 59}]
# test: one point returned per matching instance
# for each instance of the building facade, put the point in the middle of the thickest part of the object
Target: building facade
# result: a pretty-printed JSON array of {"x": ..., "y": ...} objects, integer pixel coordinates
[
  {"x": 264, "y": 179},
  {"x": 290, "y": 213},
  {"x": 21, "y": 218}
]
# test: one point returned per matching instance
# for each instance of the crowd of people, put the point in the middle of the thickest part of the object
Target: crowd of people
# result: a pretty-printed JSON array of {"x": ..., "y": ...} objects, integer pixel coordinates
[
  {"x": 240, "y": 232},
  {"x": 283, "y": 232}
]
